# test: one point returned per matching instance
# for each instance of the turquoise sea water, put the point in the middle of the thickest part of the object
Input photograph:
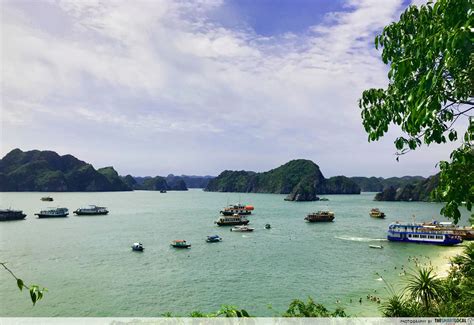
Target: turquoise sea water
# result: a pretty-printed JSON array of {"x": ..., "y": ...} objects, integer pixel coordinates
[{"x": 90, "y": 270}]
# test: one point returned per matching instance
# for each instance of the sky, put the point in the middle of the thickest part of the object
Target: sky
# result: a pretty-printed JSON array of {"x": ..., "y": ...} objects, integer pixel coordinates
[{"x": 197, "y": 87}]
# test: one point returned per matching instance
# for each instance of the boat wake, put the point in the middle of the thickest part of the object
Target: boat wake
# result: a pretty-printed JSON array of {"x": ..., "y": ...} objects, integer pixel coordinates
[{"x": 360, "y": 239}]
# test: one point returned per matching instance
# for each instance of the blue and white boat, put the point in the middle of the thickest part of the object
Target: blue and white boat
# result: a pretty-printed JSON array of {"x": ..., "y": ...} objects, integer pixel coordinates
[{"x": 423, "y": 234}]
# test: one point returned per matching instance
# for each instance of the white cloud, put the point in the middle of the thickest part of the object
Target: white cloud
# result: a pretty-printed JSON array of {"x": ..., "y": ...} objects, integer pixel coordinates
[{"x": 153, "y": 69}]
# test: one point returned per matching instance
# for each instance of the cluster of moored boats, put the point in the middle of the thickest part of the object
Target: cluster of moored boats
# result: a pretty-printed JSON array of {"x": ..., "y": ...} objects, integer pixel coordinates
[
  {"x": 90, "y": 210},
  {"x": 438, "y": 233}
]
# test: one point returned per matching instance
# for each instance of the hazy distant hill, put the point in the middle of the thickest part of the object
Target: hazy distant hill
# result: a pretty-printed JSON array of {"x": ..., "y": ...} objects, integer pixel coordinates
[
  {"x": 378, "y": 184},
  {"x": 47, "y": 171},
  {"x": 301, "y": 179}
]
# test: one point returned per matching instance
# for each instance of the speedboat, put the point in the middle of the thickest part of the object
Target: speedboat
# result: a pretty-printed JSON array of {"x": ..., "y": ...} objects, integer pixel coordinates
[
  {"x": 241, "y": 229},
  {"x": 213, "y": 239},
  {"x": 138, "y": 247},
  {"x": 180, "y": 243},
  {"x": 376, "y": 246},
  {"x": 268, "y": 226}
]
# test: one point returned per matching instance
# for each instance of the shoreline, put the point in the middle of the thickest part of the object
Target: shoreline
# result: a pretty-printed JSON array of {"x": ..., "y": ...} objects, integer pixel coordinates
[{"x": 442, "y": 263}]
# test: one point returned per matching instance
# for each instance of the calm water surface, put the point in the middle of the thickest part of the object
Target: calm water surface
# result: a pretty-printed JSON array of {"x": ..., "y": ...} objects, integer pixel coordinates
[{"x": 90, "y": 270}]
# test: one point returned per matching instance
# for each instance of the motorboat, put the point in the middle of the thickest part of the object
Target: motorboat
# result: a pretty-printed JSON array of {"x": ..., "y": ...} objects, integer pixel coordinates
[
  {"x": 241, "y": 229},
  {"x": 376, "y": 246},
  {"x": 268, "y": 226},
  {"x": 180, "y": 243},
  {"x": 213, "y": 239},
  {"x": 137, "y": 247}
]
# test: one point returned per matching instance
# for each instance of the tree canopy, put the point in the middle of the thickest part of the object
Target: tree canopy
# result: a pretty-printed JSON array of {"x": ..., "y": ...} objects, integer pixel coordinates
[{"x": 430, "y": 91}]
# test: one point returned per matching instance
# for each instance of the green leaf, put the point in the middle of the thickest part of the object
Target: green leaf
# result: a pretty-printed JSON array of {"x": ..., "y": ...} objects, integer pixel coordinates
[{"x": 19, "y": 283}]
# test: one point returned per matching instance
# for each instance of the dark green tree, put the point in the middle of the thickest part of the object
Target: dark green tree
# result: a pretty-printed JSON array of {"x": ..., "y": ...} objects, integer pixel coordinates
[{"x": 430, "y": 91}]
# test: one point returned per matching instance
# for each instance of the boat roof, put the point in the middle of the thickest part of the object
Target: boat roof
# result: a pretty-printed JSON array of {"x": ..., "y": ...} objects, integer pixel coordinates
[{"x": 179, "y": 241}]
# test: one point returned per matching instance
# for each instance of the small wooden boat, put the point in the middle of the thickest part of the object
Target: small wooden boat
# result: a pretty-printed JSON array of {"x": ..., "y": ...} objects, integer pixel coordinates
[
  {"x": 162, "y": 191},
  {"x": 137, "y": 247},
  {"x": 47, "y": 198},
  {"x": 376, "y": 246},
  {"x": 324, "y": 199},
  {"x": 180, "y": 243},
  {"x": 268, "y": 226},
  {"x": 213, "y": 239},
  {"x": 376, "y": 213},
  {"x": 242, "y": 229}
]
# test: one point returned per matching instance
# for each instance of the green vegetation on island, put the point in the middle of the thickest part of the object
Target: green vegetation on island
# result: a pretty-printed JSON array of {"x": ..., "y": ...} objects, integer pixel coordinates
[
  {"x": 419, "y": 190},
  {"x": 301, "y": 179},
  {"x": 431, "y": 78},
  {"x": 46, "y": 171},
  {"x": 378, "y": 184}
]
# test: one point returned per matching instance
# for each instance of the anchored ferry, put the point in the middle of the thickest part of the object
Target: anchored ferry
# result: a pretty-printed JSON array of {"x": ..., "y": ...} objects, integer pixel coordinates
[
  {"x": 239, "y": 209},
  {"x": 235, "y": 220},
  {"x": 419, "y": 233}
]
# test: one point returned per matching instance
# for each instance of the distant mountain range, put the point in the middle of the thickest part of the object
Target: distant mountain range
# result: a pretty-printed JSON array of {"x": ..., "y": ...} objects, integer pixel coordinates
[
  {"x": 301, "y": 180},
  {"x": 46, "y": 171}
]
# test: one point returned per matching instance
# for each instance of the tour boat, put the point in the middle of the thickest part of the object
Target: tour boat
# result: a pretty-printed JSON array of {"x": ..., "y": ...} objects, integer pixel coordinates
[
  {"x": 320, "y": 216},
  {"x": 213, "y": 239},
  {"x": 241, "y": 229},
  {"x": 47, "y": 198},
  {"x": 376, "y": 213},
  {"x": 232, "y": 220},
  {"x": 419, "y": 233},
  {"x": 180, "y": 243},
  {"x": 466, "y": 233},
  {"x": 239, "y": 209},
  {"x": 138, "y": 247},
  {"x": 8, "y": 214},
  {"x": 91, "y": 210},
  {"x": 53, "y": 213}
]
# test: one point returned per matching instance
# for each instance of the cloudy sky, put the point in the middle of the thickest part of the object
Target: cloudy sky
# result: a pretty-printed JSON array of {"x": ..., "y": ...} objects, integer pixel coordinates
[{"x": 196, "y": 87}]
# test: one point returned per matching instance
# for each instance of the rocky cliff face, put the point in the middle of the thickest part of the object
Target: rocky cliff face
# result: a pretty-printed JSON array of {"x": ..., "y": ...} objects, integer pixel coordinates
[
  {"x": 301, "y": 179},
  {"x": 418, "y": 190},
  {"x": 47, "y": 171}
]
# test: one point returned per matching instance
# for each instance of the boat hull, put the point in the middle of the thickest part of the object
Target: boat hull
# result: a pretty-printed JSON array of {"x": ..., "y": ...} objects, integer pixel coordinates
[
  {"x": 240, "y": 213},
  {"x": 12, "y": 217},
  {"x": 445, "y": 242},
  {"x": 326, "y": 219},
  {"x": 181, "y": 246},
  {"x": 82, "y": 213},
  {"x": 40, "y": 215},
  {"x": 233, "y": 223}
]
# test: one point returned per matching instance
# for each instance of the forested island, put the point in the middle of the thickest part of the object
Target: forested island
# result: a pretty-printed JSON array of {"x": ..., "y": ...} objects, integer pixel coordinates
[
  {"x": 301, "y": 179},
  {"x": 47, "y": 171}
]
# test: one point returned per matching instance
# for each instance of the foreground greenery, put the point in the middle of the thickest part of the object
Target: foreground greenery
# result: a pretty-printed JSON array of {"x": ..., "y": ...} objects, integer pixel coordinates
[
  {"x": 427, "y": 295},
  {"x": 431, "y": 86}
]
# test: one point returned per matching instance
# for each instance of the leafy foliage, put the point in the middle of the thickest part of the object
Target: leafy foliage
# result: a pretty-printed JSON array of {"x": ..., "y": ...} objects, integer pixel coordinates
[
  {"x": 431, "y": 82},
  {"x": 299, "y": 308},
  {"x": 36, "y": 293},
  {"x": 427, "y": 295}
]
